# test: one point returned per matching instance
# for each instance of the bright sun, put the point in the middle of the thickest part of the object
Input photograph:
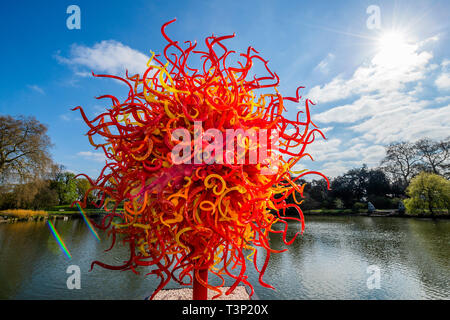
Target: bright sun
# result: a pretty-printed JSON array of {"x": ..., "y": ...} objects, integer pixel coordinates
[
  {"x": 391, "y": 40},
  {"x": 393, "y": 49}
]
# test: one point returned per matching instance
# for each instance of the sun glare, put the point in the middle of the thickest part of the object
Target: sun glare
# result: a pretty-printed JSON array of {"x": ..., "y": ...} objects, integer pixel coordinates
[{"x": 393, "y": 49}]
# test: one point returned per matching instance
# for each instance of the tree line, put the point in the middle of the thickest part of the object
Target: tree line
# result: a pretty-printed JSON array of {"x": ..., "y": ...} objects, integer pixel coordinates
[
  {"x": 414, "y": 173},
  {"x": 29, "y": 179},
  {"x": 417, "y": 173}
]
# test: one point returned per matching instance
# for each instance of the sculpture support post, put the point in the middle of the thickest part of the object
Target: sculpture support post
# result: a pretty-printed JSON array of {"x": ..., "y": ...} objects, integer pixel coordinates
[{"x": 200, "y": 292}]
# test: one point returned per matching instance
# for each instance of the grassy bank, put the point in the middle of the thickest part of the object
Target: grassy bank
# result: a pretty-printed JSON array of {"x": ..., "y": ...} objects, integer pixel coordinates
[
  {"x": 330, "y": 212},
  {"x": 67, "y": 210},
  {"x": 23, "y": 214},
  {"x": 61, "y": 211}
]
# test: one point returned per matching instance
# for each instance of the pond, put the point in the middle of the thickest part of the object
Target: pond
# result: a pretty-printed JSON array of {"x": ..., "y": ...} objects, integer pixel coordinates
[{"x": 330, "y": 261}]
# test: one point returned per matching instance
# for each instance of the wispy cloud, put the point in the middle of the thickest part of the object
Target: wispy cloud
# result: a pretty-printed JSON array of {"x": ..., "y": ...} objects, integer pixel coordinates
[
  {"x": 108, "y": 56},
  {"x": 442, "y": 99},
  {"x": 65, "y": 117},
  {"x": 324, "y": 65},
  {"x": 69, "y": 116},
  {"x": 94, "y": 156},
  {"x": 36, "y": 88}
]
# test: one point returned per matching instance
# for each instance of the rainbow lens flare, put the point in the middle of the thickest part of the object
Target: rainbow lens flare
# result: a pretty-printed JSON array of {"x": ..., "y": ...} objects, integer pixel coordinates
[
  {"x": 59, "y": 240},
  {"x": 88, "y": 222}
]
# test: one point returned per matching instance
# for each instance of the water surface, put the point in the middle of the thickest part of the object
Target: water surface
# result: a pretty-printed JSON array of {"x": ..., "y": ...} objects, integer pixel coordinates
[{"x": 329, "y": 261}]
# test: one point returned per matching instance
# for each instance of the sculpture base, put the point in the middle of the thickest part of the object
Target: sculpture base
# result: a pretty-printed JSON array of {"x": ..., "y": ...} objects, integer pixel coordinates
[{"x": 240, "y": 293}]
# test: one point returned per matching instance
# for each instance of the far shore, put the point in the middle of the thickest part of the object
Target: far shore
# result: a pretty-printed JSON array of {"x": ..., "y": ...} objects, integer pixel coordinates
[
  {"x": 377, "y": 213},
  {"x": 17, "y": 215}
]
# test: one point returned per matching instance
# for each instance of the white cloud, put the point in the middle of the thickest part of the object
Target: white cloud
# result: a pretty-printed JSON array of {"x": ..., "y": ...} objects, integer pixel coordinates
[
  {"x": 70, "y": 171},
  {"x": 83, "y": 73},
  {"x": 351, "y": 157},
  {"x": 320, "y": 148},
  {"x": 382, "y": 99},
  {"x": 406, "y": 124},
  {"x": 380, "y": 75},
  {"x": 36, "y": 88},
  {"x": 327, "y": 129},
  {"x": 336, "y": 168},
  {"x": 324, "y": 65},
  {"x": 94, "y": 156},
  {"x": 323, "y": 150},
  {"x": 429, "y": 40},
  {"x": 381, "y": 102},
  {"x": 442, "y": 99},
  {"x": 108, "y": 56},
  {"x": 368, "y": 106},
  {"x": 336, "y": 157},
  {"x": 443, "y": 81}
]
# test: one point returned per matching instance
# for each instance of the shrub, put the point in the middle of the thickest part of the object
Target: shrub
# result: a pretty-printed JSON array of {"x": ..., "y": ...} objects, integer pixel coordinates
[
  {"x": 338, "y": 203},
  {"x": 382, "y": 202},
  {"x": 359, "y": 206},
  {"x": 428, "y": 192}
]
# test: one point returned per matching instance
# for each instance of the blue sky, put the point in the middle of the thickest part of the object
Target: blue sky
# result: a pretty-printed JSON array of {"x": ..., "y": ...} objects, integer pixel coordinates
[{"x": 372, "y": 86}]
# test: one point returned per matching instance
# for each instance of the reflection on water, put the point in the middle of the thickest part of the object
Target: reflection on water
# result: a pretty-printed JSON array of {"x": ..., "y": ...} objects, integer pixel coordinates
[{"x": 329, "y": 261}]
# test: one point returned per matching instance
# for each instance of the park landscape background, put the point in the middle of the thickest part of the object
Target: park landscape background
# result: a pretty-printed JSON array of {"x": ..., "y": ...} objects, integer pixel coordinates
[
  {"x": 412, "y": 175},
  {"x": 380, "y": 81}
]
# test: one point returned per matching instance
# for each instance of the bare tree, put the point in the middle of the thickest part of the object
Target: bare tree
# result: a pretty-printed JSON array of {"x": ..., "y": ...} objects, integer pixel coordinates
[
  {"x": 401, "y": 161},
  {"x": 24, "y": 149},
  {"x": 435, "y": 155}
]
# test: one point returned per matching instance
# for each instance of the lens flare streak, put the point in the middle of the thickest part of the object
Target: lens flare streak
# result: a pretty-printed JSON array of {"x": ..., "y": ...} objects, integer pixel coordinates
[
  {"x": 59, "y": 240},
  {"x": 88, "y": 222}
]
